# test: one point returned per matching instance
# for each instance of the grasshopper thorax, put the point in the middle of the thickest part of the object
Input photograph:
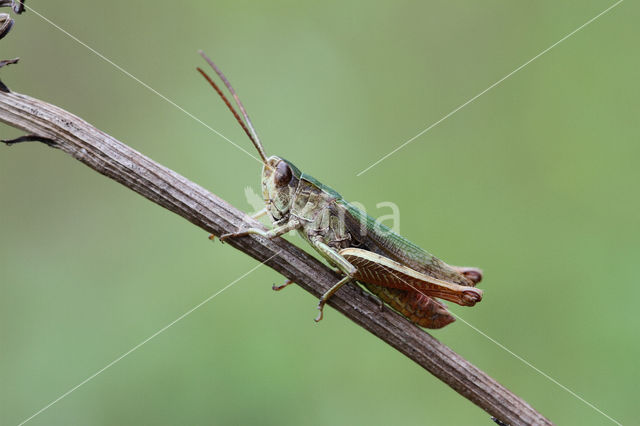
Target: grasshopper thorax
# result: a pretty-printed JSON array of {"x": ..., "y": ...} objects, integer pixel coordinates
[{"x": 280, "y": 179}]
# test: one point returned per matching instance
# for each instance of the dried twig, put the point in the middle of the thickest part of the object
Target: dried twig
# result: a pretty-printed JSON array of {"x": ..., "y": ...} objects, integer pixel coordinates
[
  {"x": 16, "y": 5},
  {"x": 6, "y": 62},
  {"x": 60, "y": 129}
]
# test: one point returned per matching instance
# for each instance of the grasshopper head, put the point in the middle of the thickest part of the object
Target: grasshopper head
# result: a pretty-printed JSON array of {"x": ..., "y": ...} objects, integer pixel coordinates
[{"x": 279, "y": 182}]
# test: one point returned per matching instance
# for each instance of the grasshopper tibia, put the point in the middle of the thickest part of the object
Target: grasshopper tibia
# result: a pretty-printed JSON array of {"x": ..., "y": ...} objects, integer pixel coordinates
[{"x": 328, "y": 294}]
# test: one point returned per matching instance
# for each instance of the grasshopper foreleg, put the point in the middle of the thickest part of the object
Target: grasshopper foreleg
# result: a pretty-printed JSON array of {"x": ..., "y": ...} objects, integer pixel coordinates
[
  {"x": 254, "y": 216},
  {"x": 257, "y": 215},
  {"x": 275, "y": 232},
  {"x": 343, "y": 265}
]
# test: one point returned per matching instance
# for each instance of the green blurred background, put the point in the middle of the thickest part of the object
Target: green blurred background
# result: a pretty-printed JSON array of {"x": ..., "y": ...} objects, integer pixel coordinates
[{"x": 536, "y": 182}]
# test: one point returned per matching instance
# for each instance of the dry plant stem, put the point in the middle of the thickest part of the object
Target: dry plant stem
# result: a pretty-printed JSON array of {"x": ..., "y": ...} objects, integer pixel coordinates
[{"x": 167, "y": 188}]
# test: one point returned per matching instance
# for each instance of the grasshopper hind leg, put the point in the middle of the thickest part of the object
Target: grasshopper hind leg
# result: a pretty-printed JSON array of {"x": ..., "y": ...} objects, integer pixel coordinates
[
  {"x": 328, "y": 294},
  {"x": 371, "y": 296},
  {"x": 341, "y": 263}
]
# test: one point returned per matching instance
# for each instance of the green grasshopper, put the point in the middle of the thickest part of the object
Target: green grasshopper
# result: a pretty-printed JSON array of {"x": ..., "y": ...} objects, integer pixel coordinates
[{"x": 397, "y": 271}]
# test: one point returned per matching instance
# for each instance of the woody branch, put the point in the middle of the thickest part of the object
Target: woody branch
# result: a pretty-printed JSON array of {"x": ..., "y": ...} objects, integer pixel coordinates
[{"x": 62, "y": 130}]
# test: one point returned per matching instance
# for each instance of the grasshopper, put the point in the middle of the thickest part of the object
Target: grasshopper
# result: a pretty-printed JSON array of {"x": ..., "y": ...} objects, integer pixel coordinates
[{"x": 397, "y": 271}]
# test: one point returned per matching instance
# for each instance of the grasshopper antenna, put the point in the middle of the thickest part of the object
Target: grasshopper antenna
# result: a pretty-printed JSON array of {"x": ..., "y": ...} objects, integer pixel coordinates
[
  {"x": 235, "y": 114},
  {"x": 248, "y": 127}
]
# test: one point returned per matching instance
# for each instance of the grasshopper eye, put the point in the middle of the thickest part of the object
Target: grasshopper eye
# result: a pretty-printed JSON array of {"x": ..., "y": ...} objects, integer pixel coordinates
[{"x": 283, "y": 174}]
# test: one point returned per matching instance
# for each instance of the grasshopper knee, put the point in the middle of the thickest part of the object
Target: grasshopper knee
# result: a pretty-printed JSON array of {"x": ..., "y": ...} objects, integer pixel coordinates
[
  {"x": 470, "y": 298},
  {"x": 351, "y": 271}
]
